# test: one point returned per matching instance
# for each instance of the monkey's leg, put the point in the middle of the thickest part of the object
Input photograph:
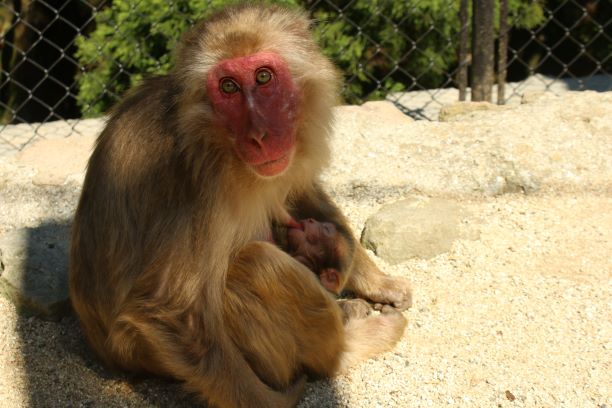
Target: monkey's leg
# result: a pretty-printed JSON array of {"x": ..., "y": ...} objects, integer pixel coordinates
[
  {"x": 284, "y": 321},
  {"x": 178, "y": 346}
]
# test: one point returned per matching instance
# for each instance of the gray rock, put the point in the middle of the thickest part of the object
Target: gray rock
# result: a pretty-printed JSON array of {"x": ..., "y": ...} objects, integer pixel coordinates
[
  {"x": 34, "y": 269},
  {"x": 413, "y": 227},
  {"x": 462, "y": 110}
]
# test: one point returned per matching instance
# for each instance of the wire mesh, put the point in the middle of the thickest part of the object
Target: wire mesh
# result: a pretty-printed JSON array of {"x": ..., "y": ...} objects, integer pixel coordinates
[{"x": 402, "y": 51}]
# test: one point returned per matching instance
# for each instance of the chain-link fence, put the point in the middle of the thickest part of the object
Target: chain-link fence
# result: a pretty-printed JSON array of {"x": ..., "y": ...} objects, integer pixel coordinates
[{"x": 64, "y": 60}]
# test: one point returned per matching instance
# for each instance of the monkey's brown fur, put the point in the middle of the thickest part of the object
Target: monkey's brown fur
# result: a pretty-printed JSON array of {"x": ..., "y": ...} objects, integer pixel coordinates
[{"x": 168, "y": 274}]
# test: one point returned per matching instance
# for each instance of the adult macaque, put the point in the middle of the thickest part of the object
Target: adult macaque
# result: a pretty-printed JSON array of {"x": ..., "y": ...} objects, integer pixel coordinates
[{"x": 169, "y": 271}]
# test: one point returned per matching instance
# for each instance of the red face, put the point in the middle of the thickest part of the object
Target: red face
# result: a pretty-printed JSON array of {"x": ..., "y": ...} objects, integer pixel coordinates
[
  {"x": 255, "y": 100},
  {"x": 313, "y": 243}
]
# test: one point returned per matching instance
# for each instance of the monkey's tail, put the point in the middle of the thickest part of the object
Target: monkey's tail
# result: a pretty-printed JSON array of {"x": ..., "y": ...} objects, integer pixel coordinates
[{"x": 370, "y": 336}]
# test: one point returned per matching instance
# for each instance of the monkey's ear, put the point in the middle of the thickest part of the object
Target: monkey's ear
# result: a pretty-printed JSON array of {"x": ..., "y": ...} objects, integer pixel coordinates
[{"x": 330, "y": 279}]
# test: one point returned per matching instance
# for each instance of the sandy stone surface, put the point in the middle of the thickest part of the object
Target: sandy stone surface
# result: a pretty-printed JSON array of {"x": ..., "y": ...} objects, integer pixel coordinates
[
  {"x": 56, "y": 159},
  {"x": 520, "y": 316}
]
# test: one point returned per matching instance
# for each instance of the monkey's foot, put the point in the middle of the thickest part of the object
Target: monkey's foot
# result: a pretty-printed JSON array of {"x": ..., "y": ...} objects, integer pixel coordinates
[{"x": 355, "y": 309}]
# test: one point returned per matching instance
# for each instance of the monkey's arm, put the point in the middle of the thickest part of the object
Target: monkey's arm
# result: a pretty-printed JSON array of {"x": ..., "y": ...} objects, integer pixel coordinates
[
  {"x": 367, "y": 281},
  {"x": 362, "y": 276}
]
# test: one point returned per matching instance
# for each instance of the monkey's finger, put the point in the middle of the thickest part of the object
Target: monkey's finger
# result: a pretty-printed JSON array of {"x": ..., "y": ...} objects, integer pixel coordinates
[{"x": 388, "y": 309}]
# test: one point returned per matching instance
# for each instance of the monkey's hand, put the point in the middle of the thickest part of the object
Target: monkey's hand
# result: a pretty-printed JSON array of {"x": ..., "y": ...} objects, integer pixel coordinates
[
  {"x": 394, "y": 291},
  {"x": 369, "y": 282}
]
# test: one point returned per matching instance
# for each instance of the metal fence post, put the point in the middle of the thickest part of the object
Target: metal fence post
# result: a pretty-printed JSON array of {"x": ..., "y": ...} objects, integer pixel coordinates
[
  {"x": 502, "y": 52},
  {"x": 483, "y": 49},
  {"x": 464, "y": 60}
]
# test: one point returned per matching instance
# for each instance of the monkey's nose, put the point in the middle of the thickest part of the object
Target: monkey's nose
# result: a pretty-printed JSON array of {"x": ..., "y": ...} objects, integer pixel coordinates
[
  {"x": 258, "y": 138},
  {"x": 308, "y": 226}
]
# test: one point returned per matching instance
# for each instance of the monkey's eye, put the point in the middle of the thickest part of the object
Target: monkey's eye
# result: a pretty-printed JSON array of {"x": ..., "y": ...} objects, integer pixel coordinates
[
  {"x": 263, "y": 76},
  {"x": 228, "y": 86},
  {"x": 329, "y": 229}
]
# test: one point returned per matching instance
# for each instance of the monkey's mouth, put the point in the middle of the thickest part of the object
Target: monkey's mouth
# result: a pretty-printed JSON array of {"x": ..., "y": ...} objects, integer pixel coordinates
[
  {"x": 273, "y": 167},
  {"x": 295, "y": 224}
]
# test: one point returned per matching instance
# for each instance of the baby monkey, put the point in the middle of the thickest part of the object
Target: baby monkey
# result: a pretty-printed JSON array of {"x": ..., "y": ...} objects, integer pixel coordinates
[{"x": 319, "y": 246}]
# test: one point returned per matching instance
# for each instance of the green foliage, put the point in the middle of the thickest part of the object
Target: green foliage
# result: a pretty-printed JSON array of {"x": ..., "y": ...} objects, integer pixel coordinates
[
  {"x": 386, "y": 46},
  {"x": 133, "y": 40},
  {"x": 381, "y": 45}
]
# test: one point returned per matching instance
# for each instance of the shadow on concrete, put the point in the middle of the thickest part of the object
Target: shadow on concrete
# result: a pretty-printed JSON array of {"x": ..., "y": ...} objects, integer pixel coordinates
[
  {"x": 60, "y": 368},
  {"x": 599, "y": 83}
]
